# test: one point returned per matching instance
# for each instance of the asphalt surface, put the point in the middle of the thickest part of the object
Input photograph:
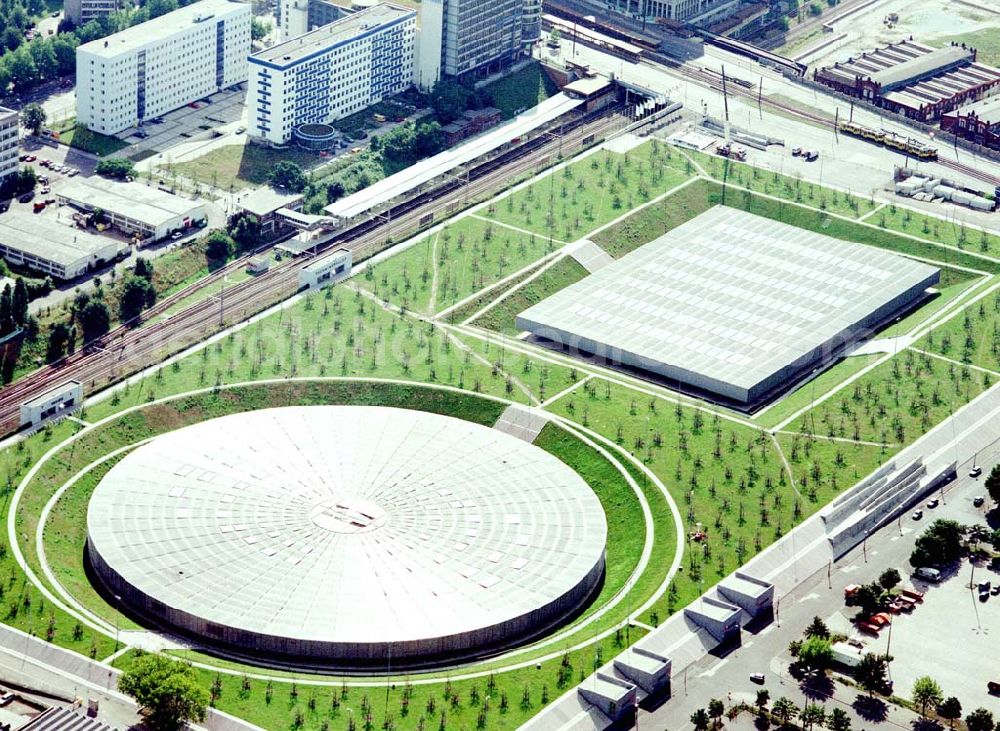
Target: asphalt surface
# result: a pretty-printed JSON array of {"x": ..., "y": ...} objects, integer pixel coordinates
[{"x": 727, "y": 675}]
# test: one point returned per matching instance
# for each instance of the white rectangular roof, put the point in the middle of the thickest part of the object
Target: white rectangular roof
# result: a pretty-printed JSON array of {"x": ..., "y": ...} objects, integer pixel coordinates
[
  {"x": 48, "y": 239},
  {"x": 728, "y": 296},
  {"x": 346, "y": 29},
  {"x": 136, "y": 200},
  {"x": 406, "y": 180},
  {"x": 161, "y": 27}
]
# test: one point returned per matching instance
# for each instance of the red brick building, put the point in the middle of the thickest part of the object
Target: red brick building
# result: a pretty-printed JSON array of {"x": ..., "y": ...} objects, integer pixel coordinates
[
  {"x": 979, "y": 122},
  {"x": 912, "y": 79}
]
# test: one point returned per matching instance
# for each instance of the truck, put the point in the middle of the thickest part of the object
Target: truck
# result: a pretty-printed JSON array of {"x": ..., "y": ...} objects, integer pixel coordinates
[{"x": 380, "y": 118}]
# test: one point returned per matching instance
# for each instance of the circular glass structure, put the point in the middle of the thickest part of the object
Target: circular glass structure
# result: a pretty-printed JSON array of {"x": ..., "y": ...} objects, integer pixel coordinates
[
  {"x": 315, "y": 136},
  {"x": 347, "y": 534}
]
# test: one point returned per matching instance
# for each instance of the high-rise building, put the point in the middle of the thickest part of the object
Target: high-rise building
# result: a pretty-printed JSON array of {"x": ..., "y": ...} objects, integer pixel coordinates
[
  {"x": 162, "y": 64},
  {"x": 700, "y": 11},
  {"x": 81, "y": 12},
  {"x": 480, "y": 37},
  {"x": 331, "y": 72},
  {"x": 296, "y": 17},
  {"x": 531, "y": 21},
  {"x": 10, "y": 143}
]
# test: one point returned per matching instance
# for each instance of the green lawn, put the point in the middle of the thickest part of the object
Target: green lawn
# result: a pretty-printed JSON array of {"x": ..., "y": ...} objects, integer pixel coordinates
[
  {"x": 985, "y": 41},
  {"x": 78, "y": 136},
  {"x": 500, "y": 317},
  {"x": 657, "y": 219},
  {"x": 445, "y": 267},
  {"x": 789, "y": 188},
  {"x": 970, "y": 337},
  {"x": 234, "y": 167},
  {"x": 587, "y": 194},
  {"x": 522, "y": 90},
  {"x": 808, "y": 392},
  {"x": 896, "y": 402},
  {"x": 923, "y": 226}
]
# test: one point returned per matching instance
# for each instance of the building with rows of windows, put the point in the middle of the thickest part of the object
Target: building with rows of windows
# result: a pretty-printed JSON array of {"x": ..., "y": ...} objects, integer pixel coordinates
[
  {"x": 10, "y": 143},
  {"x": 331, "y": 72},
  {"x": 161, "y": 65}
]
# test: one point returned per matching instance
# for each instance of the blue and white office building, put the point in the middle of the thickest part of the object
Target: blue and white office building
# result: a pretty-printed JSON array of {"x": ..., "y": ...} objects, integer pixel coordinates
[{"x": 331, "y": 72}]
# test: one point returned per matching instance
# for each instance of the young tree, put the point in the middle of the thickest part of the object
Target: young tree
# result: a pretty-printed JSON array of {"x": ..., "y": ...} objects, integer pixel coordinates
[
  {"x": 889, "y": 579},
  {"x": 715, "y": 710},
  {"x": 979, "y": 720},
  {"x": 816, "y": 654},
  {"x": 33, "y": 117},
  {"x": 259, "y": 29},
  {"x": 926, "y": 692},
  {"x": 699, "y": 719},
  {"x": 763, "y": 697},
  {"x": 993, "y": 483},
  {"x": 950, "y": 708},
  {"x": 818, "y": 628},
  {"x": 870, "y": 672},
  {"x": 812, "y": 714},
  {"x": 167, "y": 690},
  {"x": 838, "y": 720},
  {"x": 784, "y": 709}
]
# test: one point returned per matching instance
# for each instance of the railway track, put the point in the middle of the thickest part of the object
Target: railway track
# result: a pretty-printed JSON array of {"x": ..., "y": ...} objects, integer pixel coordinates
[
  {"x": 714, "y": 81},
  {"x": 127, "y": 349}
]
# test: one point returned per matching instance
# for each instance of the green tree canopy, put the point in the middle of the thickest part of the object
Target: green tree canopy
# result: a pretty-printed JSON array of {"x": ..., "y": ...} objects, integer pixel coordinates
[
  {"x": 979, "y": 720},
  {"x": 288, "y": 175},
  {"x": 115, "y": 167},
  {"x": 33, "y": 117},
  {"x": 870, "y": 672},
  {"x": 926, "y": 693},
  {"x": 889, "y": 579},
  {"x": 167, "y": 690},
  {"x": 940, "y": 543},
  {"x": 137, "y": 294},
  {"x": 950, "y": 708},
  {"x": 816, "y": 654},
  {"x": 993, "y": 483},
  {"x": 817, "y": 628},
  {"x": 700, "y": 720},
  {"x": 838, "y": 720},
  {"x": 219, "y": 247}
]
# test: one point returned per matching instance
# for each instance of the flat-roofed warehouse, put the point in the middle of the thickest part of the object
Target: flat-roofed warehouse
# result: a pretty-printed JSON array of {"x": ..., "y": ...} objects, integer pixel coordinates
[
  {"x": 133, "y": 208},
  {"x": 912, "y": 79},
  {"x": 731, "y": 304},
  {"x": 52, "y": 248}
]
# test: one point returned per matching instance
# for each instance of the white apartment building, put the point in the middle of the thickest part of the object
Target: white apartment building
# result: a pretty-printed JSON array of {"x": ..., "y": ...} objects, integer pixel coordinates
[
  {"x": 161, "y": 65},
  {"x": 331, "y": 72},
  {"x": 81, "y": 12},
  {"x": 10, "y": 143}
]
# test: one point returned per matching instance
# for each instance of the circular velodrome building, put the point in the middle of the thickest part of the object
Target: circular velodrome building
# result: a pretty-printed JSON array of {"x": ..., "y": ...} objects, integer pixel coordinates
[{"x": 347, "y": 534}]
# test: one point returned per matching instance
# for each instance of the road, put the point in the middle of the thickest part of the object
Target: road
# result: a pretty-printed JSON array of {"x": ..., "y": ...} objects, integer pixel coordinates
[
  {"x": 125, "y": 350},
  {"x": 727, "y": 677}
]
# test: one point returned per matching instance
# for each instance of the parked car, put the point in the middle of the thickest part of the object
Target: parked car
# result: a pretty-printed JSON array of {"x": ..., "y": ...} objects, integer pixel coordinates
[
  {"x": 928, "y": 574},
  {"x": 72, "y": 172},
  {"x": 917, "y": 514},
  {"x": 30, "y": 158},
  {"x": 26, "y": 198},
  {"x": 757, "y": 678},
  {"x": 976, "y": 471},
  {"x": 240, "y": 130},
  {"x": 933, "y": 503},
  {"x": 796, "y": 151},
  {"x": 811, "y": 156},
  {"x": 978, "y": 501}
]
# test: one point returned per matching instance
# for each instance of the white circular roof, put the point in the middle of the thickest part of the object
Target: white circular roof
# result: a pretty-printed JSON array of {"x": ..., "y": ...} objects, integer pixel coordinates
[{"x": 348, "y": 524}]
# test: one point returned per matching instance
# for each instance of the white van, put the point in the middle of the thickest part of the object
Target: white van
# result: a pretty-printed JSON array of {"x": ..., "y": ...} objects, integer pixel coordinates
[{"x": 928, "y": 574}]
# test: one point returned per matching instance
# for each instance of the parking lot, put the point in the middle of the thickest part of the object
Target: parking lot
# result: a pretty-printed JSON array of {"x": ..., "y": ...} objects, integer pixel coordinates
[
  {"x": 224, "y": 113},
  {"x": 952, "y": 635}
]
